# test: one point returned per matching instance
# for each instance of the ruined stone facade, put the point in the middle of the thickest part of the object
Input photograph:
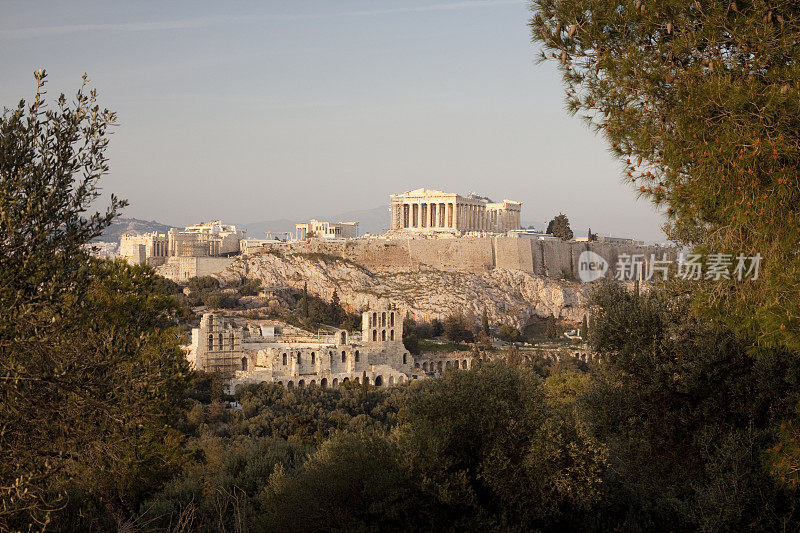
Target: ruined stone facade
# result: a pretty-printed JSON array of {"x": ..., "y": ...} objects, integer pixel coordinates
[
  {"x": 254, "y": 354},
  {"x": 326, "y": 230},
  {"x": 209, "y": 239},
  {"x": 197, "y": 250},
  {"x": 430, "y": 211}
]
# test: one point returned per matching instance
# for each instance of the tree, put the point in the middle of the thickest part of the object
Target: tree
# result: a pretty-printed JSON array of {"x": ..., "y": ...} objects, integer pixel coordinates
[
  {"x": 559, "y": 227},
  {"x": 304, "y": 304},
  {"x": 336, "y": 314},
  {"x": 591, "y": 236},
  {"x": 509, "y": 333},
  {"x": 686, "y": 413},
  {"x": 551, "y": 329},
  {"x": 584, "y": 329},
  {"x": 699, "y": 100},
  {"x": 91, "y": 371}
]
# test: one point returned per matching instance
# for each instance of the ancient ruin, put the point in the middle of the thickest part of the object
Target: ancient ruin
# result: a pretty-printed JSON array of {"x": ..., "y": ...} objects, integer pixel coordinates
[
  {"x": 260, "y": 354},
  {"x": 431, "y": 211}
]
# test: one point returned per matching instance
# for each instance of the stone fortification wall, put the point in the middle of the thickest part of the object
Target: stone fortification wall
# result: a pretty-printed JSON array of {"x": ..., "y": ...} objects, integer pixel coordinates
[{"x": 469, "y": 254}]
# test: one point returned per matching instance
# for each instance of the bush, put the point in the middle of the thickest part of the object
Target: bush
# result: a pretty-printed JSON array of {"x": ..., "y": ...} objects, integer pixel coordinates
[
  {"x": 203, "y": 283},
  {"x": 509, "y": 333}
]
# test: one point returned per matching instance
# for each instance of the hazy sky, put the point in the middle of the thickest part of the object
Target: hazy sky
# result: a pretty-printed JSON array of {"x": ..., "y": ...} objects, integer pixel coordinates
[{"x": 249, "y": 111}]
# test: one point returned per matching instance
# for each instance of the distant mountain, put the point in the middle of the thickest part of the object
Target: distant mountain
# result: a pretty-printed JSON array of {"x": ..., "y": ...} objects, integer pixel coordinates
[{"x": 132, "y": 226}]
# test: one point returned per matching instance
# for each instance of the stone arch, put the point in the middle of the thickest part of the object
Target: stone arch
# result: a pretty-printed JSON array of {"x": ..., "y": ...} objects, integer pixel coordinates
[
  {"x": 335, "y": 382},
  {"x": 244, "y": 364},
  {"x": 439, "y": 366},
  {"x": 391, "y": 319},
  {"x": 324, "y": 383},
  {"x": 374, "y": 334},
  {"x": 378, "y": 381},
  {"x": 383, "y": 335},
  {"x": 464, "y": 364},
  {"x": 344, "y": 356},
  {"x": 447, "y": 364},
  {"x": 391, "y": 335},
  {"x": 383, "y": 319},
  {"x": 356, "y": 380},
  {"x": 290, "y": 385},
  {"x": 424, "y": 366},
  {"x": 345, "y": 380},
  {"x": 374, "y": 319},
  {"x": 313, "y": 382},
  {"x": 301, "y": 384}
]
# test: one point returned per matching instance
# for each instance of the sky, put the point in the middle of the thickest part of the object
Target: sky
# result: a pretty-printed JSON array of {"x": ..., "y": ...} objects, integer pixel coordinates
[{"x": 252, "y": 111}]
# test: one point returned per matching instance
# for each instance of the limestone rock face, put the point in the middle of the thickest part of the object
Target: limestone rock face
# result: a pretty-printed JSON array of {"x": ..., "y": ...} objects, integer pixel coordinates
[{"x": 508, "y": 296}]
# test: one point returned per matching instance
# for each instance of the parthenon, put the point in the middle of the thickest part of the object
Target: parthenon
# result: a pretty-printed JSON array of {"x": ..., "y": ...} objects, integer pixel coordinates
[{"x": 430, "y": 211}]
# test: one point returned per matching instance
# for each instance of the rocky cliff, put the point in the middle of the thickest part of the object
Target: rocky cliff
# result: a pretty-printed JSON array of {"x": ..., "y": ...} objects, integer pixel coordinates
[{"x": 508, "y": 296}]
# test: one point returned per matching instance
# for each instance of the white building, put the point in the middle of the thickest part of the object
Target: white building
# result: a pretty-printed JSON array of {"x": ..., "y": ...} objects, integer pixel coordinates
[
  {"x": 326, "y": 230},
  {"x": 431, "y": 211}
]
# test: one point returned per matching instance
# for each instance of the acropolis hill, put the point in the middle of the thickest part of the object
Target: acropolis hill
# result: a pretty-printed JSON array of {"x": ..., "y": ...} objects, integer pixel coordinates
[{"x": 444, "y": 253}]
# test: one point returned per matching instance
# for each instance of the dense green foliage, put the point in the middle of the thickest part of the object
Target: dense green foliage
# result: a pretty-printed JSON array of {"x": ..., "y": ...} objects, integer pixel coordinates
[
  {"x": 91, "y": 371},
  {"x": 700, "y": 101}
]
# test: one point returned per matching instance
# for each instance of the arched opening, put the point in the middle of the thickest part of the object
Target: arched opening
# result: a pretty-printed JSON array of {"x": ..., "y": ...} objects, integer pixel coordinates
[
  {"x": 416, "y": 365},
  {"x": 324, "y": 383},
  {"x": 284, "y": 359},
  {"x": 244, "y": 364},
  {"x": 374, "y": 319},
  {"x": 358, "y": 357},
  {"x": 374, "y": 334},
  {"x": 356, "y": 380},
  {"x": 378, "y": 381},
  {"x": 439, "y": 366},
  {"x": 345, "y": 380},
  {"x": 210, "y": 341},
  {"x": 391, "y": 381},
  {"x": 391, "y": 319},
  {"x": 299, "y": 358},
  {"x": 405, "y": 358},
  {"x": 424, "y": 366},
  {"x": 313, "y": 382},
  {"x": 383, "y": 320},
  {"x": 344, "y": 338},
  {"x": 464, "y": 364},
  {"x": 290, "y": 385},
  {"x": 344, "y": 356},
  {"x": 280, "y": 383},
  {"x": 447, "y": 364},
  {"x": 335, "y": 382},
  {"x": 220, "y": 341},
  {"x": 313, "y": 358},
  {"x": 391, "y": 335},
  {"x": 383, "y": 335},
  {"x": 301, "y": 384}
]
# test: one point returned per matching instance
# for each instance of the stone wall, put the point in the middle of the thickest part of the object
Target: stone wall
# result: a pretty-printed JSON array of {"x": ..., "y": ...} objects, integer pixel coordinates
[{"x": 476, "y": 255}]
